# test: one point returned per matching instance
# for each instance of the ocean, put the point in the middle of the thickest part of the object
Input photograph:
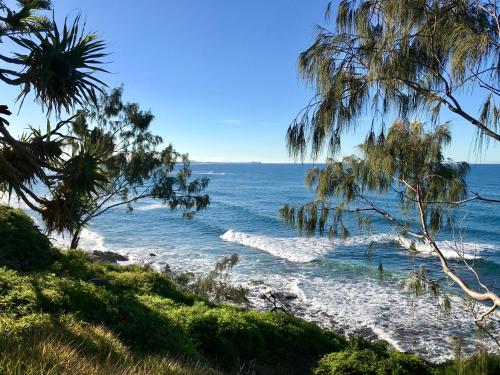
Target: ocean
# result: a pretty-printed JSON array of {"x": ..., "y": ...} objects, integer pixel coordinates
[{"x": 337, "y": 282}]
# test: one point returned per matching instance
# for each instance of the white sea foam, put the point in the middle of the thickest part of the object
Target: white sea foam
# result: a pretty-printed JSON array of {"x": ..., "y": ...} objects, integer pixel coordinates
[
  {"x": 306, "y": 249},
  {"x": 92, "y": 240},
  {"x": 415, "y": 325},
  {"x": 149, "y": 207},
  {"x": 89, "y": 239},
  {"x": 210, "y": 173},
  {"x": 299, "y": 249},
  {"x": 359, "y": 304},
  {"x": 450, "y": 249}
]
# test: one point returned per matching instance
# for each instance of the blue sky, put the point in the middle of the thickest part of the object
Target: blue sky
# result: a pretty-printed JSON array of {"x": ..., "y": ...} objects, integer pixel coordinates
[{"x": 220, "y": 76}]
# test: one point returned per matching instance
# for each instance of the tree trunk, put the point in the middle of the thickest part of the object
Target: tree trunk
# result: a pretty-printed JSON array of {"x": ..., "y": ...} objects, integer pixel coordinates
[
  {"x": 485, "y": 296},
  {"x": 75, "y": 238}
]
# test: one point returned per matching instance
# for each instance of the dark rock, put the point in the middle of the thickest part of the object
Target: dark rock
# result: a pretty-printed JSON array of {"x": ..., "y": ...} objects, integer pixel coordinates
[
  {"x": 284, "y": 296},
  {"x": 98, "y": 282},
  {"x": 152, "y": 254},
  {"x": 107, "y": 256}
]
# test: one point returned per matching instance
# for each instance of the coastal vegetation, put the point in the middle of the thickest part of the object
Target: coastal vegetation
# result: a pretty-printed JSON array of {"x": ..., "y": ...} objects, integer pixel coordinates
[
  {"x": 102, "y": 153},
  {"x": 397, "y": 59},
  {"x": 69, "y": 315},
  {"x": 63, "y": 313}
]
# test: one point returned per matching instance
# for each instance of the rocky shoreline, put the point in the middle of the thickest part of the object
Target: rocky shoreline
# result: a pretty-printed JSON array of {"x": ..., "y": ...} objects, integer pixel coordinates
[{"x": 265, "y": 299}]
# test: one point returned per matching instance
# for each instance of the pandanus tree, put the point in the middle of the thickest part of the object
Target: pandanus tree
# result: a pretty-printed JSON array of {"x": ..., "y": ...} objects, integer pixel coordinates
[
  {"x": 398, "y": 58},
  {"x": 113, "y": 148},
  {"x": 103, "y": 151},
  {"x": 59, "y": 67}
]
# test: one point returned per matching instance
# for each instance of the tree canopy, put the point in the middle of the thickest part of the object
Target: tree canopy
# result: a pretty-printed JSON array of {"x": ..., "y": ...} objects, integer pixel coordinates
[
  {"x": 102, "y": 156},
  {"x": 116, "y": 160},
  {"x": 399, "y": 58}
]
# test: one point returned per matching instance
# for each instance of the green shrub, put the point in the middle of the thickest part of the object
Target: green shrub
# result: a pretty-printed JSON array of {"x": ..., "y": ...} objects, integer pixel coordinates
[
  {"x": 22, "y": 246},
  {"x": 151, "y": 315},
  {"x": 227, "y": 334},
  {"x": 481, "y": 363},
  {"x": 365, "y": 358}
]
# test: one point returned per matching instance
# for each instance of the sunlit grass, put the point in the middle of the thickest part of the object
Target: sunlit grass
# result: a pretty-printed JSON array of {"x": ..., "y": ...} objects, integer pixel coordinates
[{"x": 68, "y": 347}]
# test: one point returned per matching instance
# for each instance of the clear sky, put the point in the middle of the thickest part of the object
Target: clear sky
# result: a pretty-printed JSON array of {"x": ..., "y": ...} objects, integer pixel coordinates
[{"x": 220, "y": 76}]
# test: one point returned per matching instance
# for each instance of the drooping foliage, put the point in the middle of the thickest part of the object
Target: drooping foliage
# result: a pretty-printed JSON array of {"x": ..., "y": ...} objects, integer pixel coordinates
[
  {"x": 398, "y": 58},
  {"x": 408, "y": 161}
]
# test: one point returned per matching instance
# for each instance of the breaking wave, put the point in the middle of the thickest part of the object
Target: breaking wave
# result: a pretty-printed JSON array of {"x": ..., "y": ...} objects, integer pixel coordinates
[
  {"x": 210, "y": 173},
  {"x": 450, "y": 249},
  {"x": 307, "y": 249},
  {"x": 299, "y": 249}
]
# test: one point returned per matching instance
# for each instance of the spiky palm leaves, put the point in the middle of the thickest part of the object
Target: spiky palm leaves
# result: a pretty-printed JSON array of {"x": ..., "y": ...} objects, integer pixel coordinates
[
  {"x": 82, "y": 179},
  {"x": 26, "y": 18},
  {"x": 60, "y": 66}
]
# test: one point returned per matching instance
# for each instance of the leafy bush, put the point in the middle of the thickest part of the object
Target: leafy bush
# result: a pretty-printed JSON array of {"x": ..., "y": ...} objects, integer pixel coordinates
[
  {"x": 481, "y": 363},
  {"x": 216, "y": 285},
  {"x": 227, "y": 334},
  {"x": 365, "y": 358},
  {"x": 22, "y": 245},
  {"x": 147, "y": 311}
]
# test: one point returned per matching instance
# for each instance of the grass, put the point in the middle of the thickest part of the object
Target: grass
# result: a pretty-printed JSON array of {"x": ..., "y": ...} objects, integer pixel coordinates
[{"x": 69, "y": 346}]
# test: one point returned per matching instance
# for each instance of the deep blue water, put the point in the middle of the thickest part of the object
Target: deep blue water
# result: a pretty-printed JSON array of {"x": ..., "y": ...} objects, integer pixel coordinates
[{"x": 335, "y": 281}]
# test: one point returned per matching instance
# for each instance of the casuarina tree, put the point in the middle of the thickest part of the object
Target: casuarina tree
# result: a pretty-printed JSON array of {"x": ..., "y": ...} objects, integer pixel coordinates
[{"x": 396, "y": 59}]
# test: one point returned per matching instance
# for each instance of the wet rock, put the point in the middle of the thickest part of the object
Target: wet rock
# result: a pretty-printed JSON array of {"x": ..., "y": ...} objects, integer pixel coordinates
[
  {"x": 152, "y": 254},
  {"x": 107, "y": 256},
  {"x": 284, "y": 296}
]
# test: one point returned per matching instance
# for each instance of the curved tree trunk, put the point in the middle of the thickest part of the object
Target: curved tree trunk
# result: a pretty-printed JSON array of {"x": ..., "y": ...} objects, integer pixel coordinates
[
  {"x": 483, "y": 296},
  {"x": 75, "y": 239}
]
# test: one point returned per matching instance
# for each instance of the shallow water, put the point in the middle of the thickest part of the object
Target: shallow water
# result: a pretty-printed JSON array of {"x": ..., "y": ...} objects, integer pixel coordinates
[{"x": 337, "y": 285}]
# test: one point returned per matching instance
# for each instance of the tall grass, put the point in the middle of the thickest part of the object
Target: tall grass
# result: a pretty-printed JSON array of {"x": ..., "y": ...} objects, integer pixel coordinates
[{"x": 76, "y": 348}]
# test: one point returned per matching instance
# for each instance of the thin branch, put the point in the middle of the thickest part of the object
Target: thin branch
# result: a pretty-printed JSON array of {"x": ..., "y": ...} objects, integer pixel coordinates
[{"x": 486, "y": 296}]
